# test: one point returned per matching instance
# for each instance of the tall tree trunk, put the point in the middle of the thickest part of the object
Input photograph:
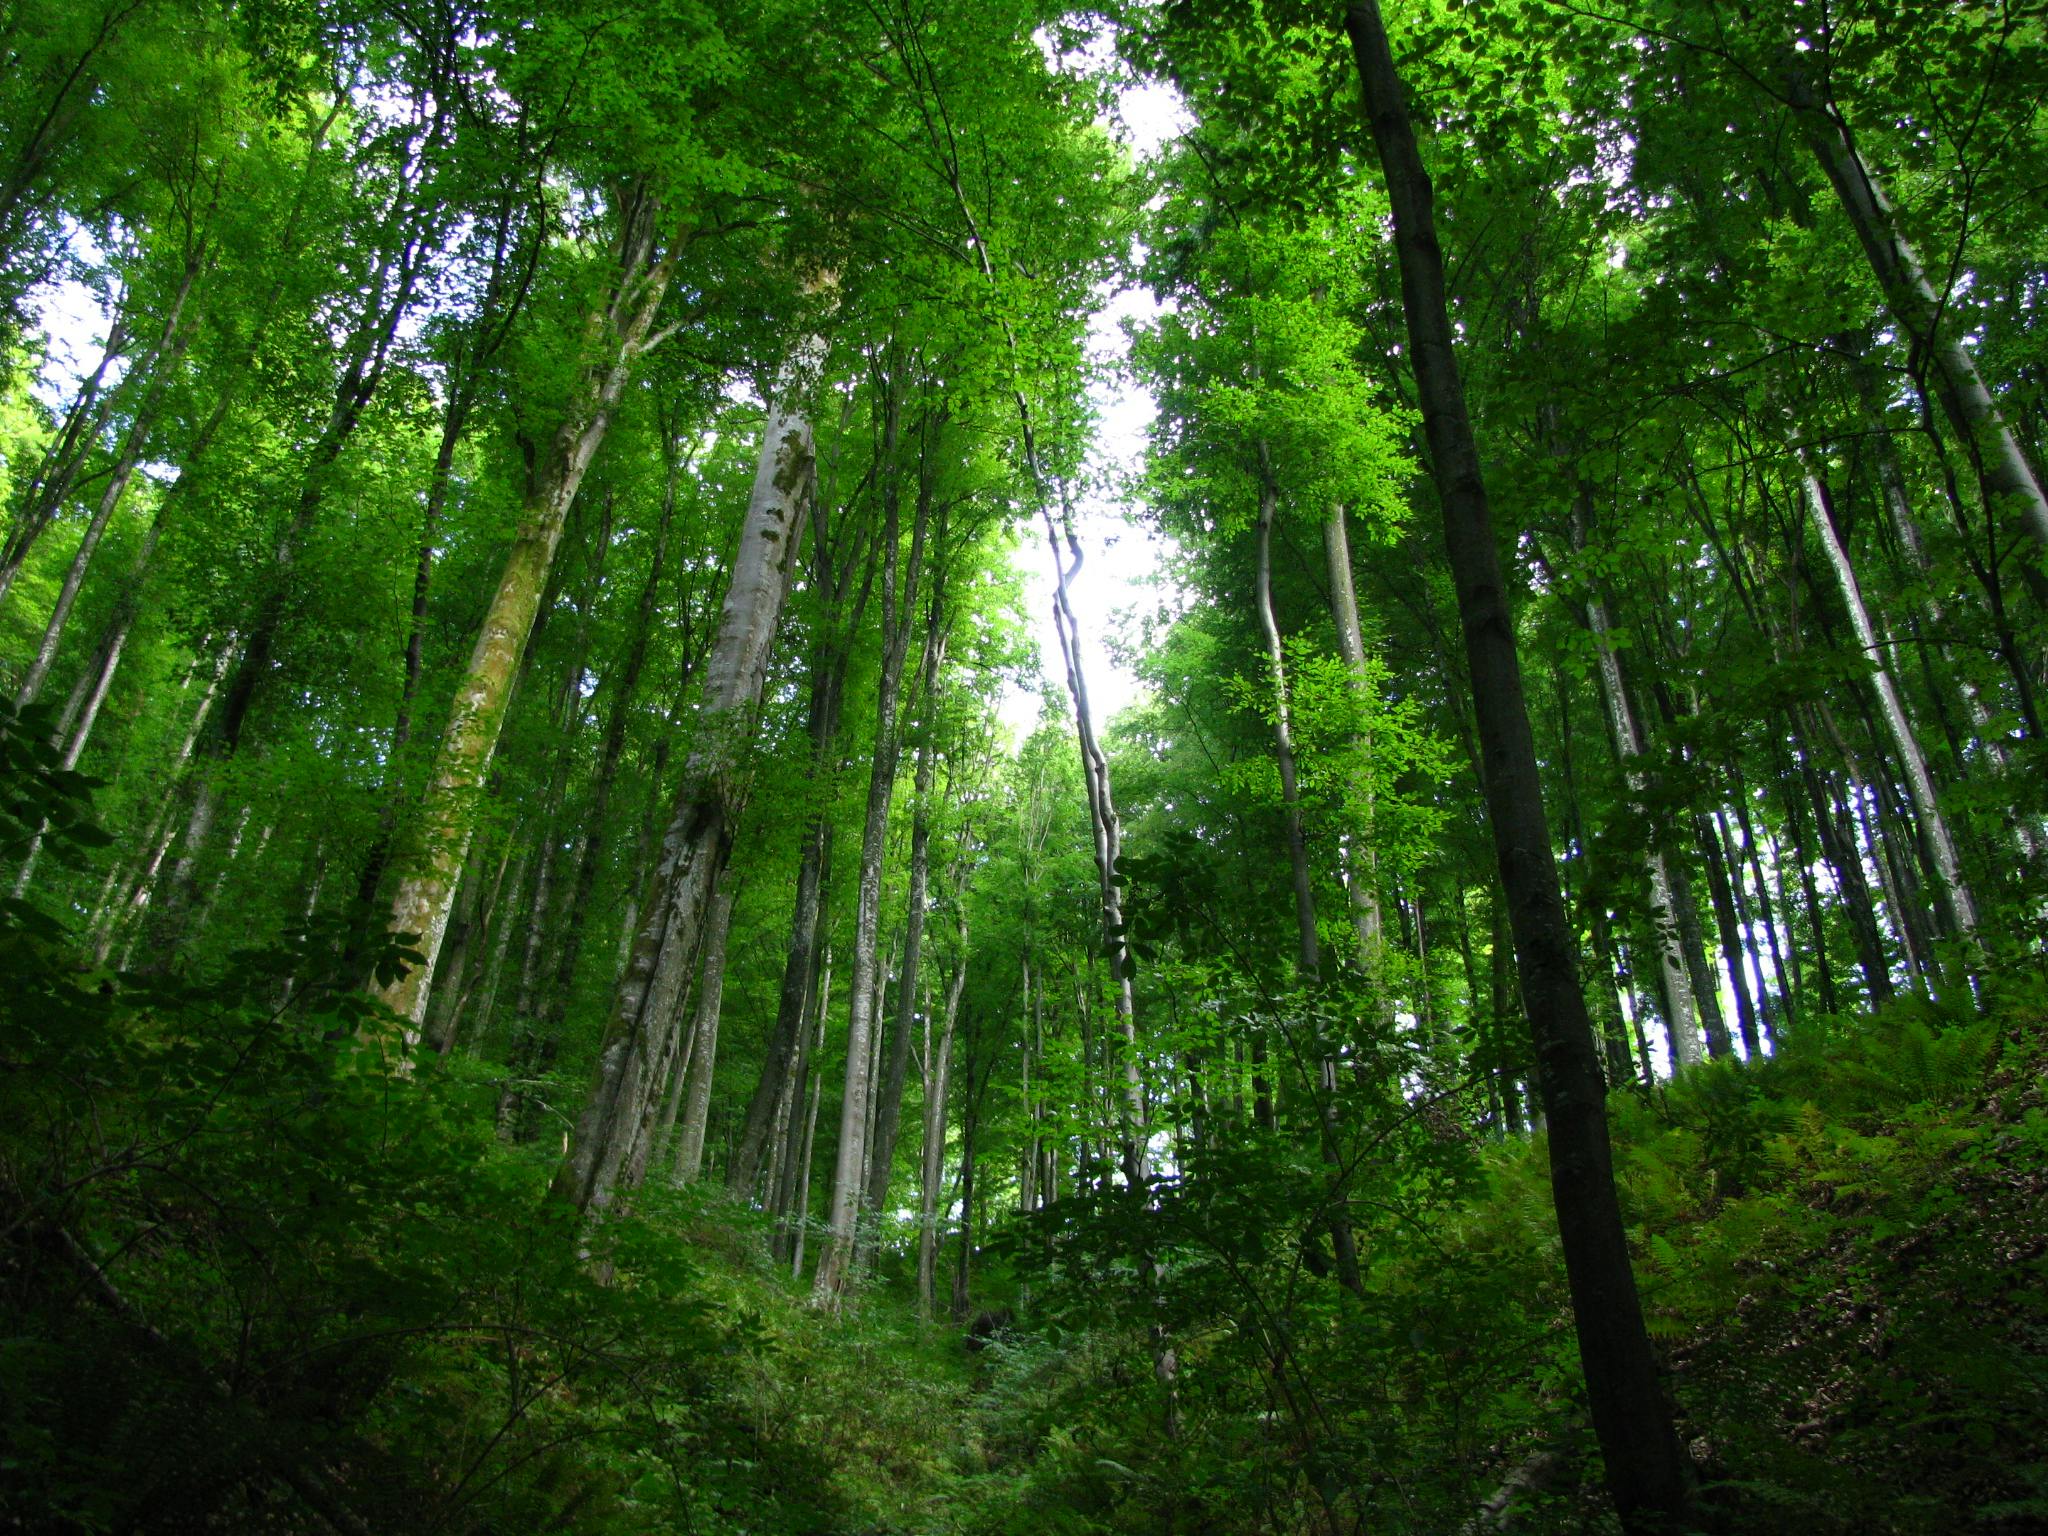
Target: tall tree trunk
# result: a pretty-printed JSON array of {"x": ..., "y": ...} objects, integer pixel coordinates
[
  {"x": 1645, "y": 1465},
  {"x": 165, "y": 354},
  {"x": 938, "y": 1060},
  {"x": 1957, "y": 906},
  {"x": 615, "y": 337},
  {"x": 899, "y": 608},
  {"x": 889, "y": 1095},
  {"x": 1681, "y": 1012},
  {"x": 789, "y": 1194},
  {"x": 695, "y": 847},
  {"x": 1308, "y": 955},
  {"x": 1361, "y": 878},
  {"x": 2012, "y": 490},
  {"x": 837, "y": 550},
  {"x": 702, "y": 1062},
  {"x": 62, "y": 460},
  {"x": 130, "y": 912},
  {"x": 970, "y": 1124},
  {"x": 1728, "y": 928},
  {"x": 799, "y": 973}
]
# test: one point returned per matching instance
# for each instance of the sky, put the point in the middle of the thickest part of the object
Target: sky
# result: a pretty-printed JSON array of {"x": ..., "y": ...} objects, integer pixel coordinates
[{"x": 1120, "y": 557}]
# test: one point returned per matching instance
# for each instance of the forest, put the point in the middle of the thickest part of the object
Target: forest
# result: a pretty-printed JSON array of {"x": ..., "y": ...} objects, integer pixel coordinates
[{"x": 575, "y": 956}]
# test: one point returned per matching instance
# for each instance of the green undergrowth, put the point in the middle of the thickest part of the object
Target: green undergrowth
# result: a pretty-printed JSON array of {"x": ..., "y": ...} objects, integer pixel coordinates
[
  {"x": 254, "y": 1278},
  {"x": 1841, "y": 1252}
]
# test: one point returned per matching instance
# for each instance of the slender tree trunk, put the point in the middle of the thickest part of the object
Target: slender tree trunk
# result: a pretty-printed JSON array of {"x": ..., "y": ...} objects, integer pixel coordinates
[
  {"x": 483, "y": 915},
  {"x": 1729, "y": 930},
  {"x": 899, "y": 606},
  {"x": 1681, "y": 1013},
  {"x": 62, "y": 461},
  {"x": 1361, "y": 883},
  {"x": 1958, "y": 907},
  {"x": 1787, "y": 1005},
  {"x": 2011, "y": 488},
  {"x": 703, "y": 1057},
  {"x": 803, "y": 1180},
  {"x": 1645, "y": 1465},
  {"x": 832, "y": 577},
  {"x": 970, "y": 1123},
  {"x": 1308, "y": 956},
  {"x": 170, "y": 347},
  {"x": 788, "y": 1148},
  {"x": 932, "y": 1171},
  {"x": 889, "y": 1097},
  {"x": 166, "y": 826},
  {"x": 799, "y": 972}
]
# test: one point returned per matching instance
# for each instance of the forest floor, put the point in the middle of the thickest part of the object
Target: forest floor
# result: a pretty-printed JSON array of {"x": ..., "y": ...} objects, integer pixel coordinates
[{"x": 246, "y": 1285}]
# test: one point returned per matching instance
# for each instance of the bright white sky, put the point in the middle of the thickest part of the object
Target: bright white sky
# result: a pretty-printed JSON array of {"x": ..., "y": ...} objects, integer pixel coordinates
[{"x": 1121, "y": 556}]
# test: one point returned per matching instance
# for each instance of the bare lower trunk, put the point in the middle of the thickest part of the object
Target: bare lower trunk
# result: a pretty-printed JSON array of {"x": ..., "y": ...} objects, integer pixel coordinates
[
  {"x": 938, "y": 1062},
  {"x": 1308, "y": 957},
  {"x": 1729, "y": 928},
  {"x": 1681, "y": 1018},
  {"x": 1681, "y": 1014},
  {"x": 615, "y": 338},
  {"x": 1957, "y": 906},
  {"x": 788, "y": 1149},
  {"x": 785, "y": 1040},
  {"x": 1645, "y": 1465},
  {"x": 899, "y": 607},
  {"x": 695, "y": 847},
  {"x": 702, "y": 1060},
  {"x": 889, "y": 1096},
  {"x": 802, "y": 1200},
  {"x": 1361, "y": 882},
  {"x": 165, "y": 831}
]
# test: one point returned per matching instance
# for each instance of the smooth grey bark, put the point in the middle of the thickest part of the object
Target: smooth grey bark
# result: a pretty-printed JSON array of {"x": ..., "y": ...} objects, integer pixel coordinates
[
  {"x": 1681, "y": 1014},
  {"x": 701, "y": 1062},
  {"x": 938, "y": 1063},
  {"x": 889, "y": 1095},
  {"x": 842, "y": 549},
  {"x": 1108, "y": 843},
  {"x": 695, "y": 847},
  {"x": 1308, "y": 954},
  {"x": 900, "y": 587},
  {"x": 1361, "y": 882},
  {"x": 1625, "y": 731},
  {"x": 1952, "y": 891},
  {"x": 2011, "y": 488}
]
